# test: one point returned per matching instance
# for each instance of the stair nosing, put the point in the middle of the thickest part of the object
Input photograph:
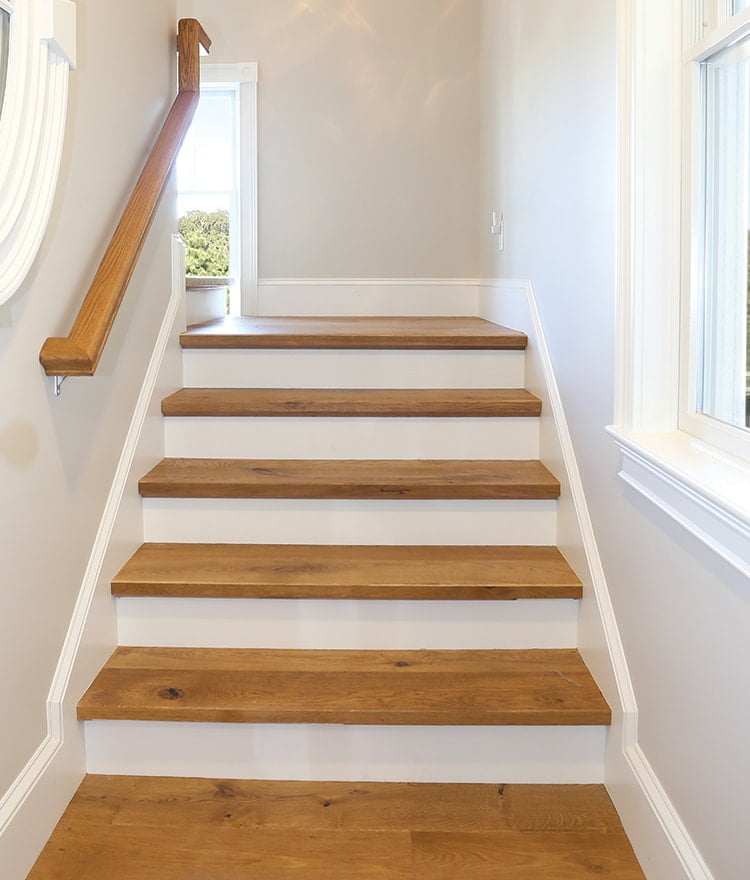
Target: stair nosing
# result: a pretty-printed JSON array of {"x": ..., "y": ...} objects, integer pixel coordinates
[
  {"x": 339, "y": 571},
  {"x": 429, "y": 479},
  {"x": 497, "y": 687},
  {"x": 350, "y": 403}
]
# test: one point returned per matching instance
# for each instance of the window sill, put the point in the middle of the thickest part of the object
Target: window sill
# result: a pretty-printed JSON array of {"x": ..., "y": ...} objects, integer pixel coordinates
[{"x": 707, "y": 493}]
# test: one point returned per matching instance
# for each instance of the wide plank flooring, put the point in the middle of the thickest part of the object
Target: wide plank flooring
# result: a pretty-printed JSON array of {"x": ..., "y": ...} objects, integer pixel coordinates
[
  {"x": 352, "y": 333},
  {"x": 328, "y": 478},
  {"x": 346, "y": 687},
  {"x": 152, "y": 828},
  {"x": 321, "y": 571},
  {"x": 352, "y": 402}
]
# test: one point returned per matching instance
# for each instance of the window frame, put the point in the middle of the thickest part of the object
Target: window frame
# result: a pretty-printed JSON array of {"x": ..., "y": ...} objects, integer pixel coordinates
[
  {"x": 232, "y": 195},
  {"x": 243, "y": 77},
  {"x": 731, "y": 29},
  {"x": 700, "y": 486}
]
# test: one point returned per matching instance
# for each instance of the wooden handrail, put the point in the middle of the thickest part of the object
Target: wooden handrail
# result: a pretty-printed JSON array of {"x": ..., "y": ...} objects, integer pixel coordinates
[{"x": 78, "y": 353}]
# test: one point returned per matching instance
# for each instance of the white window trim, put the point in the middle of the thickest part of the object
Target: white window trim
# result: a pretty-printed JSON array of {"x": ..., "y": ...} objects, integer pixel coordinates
[
  {"x": 706, "y": 491},
  {"x": 244, "y": 76},
  {"x": 731, "y": 440},
  {"x": 42, "y": 50}
]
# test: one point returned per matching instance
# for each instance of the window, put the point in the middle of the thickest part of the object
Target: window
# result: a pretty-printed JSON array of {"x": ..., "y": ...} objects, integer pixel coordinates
[
  {"x": 216, "y": 181},
  {"x": 715, "y": 401},
  {"x": 683, "y": 194},
  {"x": 207, "y": 186},
  {"x": 722, "y": 386}
]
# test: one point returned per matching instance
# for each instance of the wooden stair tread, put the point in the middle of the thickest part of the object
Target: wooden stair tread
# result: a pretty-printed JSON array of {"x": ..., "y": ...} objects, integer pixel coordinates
[
  {"x": 353, "y": 332},
  {"x": 531, "y": 687},
  {"x": 370, "y": 402},
  {"x": 323, "y": 478},
  {"x": 162, "y": 828},
  {"x": 274, "y": 571}
]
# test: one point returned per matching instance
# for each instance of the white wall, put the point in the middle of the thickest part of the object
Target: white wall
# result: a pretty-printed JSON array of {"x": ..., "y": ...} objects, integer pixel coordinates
[
  {"x": 548, "y": 162},
  {"x": 58, "y": 456},
  {"x": 368, "y": 132}
]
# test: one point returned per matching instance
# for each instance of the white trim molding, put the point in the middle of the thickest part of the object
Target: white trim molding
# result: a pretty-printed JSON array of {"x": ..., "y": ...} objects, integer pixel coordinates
[
  {"x": 42, "y": 50},
  {"x": 695, "y": 483},
  {"x": 707, "y": 494}
]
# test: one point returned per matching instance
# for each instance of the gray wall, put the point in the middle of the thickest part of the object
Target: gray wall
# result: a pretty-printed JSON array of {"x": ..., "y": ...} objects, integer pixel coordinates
[
  {"x": 58, "y": 456},
  {"x": 548, "y": 161},
  {"x": 368, "y": 132}
]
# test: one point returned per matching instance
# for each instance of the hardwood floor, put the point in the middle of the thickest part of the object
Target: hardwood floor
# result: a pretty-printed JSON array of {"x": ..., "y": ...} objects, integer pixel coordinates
[{"x": 151, "y": 828}]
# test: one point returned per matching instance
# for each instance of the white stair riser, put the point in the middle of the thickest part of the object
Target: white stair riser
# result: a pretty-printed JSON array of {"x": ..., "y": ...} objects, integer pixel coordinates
[
  {"x": 291, "y": 368},
  {"x": 345, "y": 438},
  {"x": 347, "y": 624},
  {"x": 546, "y": 755},
  {"x": 300, "y": 521}
]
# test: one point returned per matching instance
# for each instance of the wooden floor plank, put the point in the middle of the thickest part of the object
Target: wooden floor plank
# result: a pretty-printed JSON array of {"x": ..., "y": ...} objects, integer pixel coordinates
[
  {"x": 119, "y": 827},
  {"x": 436, "y": 479},
  {"x": 293, "y": 571},
  {"x": 353, "y": 333},
  {"x": 126, "y": 853},
  {"x": 519, "y": 856},
  {"x": 347, "y": 402},
  {"x": 296, "y": 806},
  {"x": 346, "y": 687}
]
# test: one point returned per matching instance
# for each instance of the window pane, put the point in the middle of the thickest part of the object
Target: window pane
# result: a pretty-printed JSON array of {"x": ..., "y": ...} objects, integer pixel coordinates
[
  {"x": 4, "y": 38},
  {"x": 206, "y": 160},
  {"x": 206, "y": 185},
  {"x": 740, "y": 5},
  {"x": 725, "y": 361}
]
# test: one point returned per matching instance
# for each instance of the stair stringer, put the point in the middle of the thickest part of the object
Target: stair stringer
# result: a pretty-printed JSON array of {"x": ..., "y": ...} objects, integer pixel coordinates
[
  {"x": 661, "y": 841},
  {"x": 37, "y": 798}
]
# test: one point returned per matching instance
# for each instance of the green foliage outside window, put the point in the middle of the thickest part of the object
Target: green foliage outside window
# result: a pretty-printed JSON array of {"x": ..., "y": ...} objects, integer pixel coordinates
[{"x": 206, "y": 235}]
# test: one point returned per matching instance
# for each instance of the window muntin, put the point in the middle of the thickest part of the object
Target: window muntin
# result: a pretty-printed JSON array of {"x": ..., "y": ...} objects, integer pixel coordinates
[{"x": 723, "y": 359}]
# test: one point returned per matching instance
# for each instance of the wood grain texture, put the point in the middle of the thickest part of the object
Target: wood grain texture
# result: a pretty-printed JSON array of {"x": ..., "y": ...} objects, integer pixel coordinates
[
  {"x": 343, "y": 402},
  {"x": 324, "y": 478},
  {"x": 346, "y": 687},
  {"x": 78, "y": 353},
  {"x": 515, "y": 856},
  {"x": 125, "y": 827},
  {"x": 320, "y": 571},
  {"x": 353, "y": 332},
  {"x": 125, "y": 853}
]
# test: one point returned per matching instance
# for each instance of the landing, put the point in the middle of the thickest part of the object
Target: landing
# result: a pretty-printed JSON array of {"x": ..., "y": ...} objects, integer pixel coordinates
[
  {"x": 354, "y": 332},
  {"x": 120, "y": 827}
]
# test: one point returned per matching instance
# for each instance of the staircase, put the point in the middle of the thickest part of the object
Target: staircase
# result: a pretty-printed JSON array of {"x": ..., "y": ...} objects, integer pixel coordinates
[{"x": 349, "y": 571}]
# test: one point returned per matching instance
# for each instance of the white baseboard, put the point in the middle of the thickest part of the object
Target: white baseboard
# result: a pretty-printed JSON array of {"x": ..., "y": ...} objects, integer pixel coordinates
[
  {"x": 367, "y": 296},
  {"x": 30, "y": 808},
  {"x": 659, "y": 837}
]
